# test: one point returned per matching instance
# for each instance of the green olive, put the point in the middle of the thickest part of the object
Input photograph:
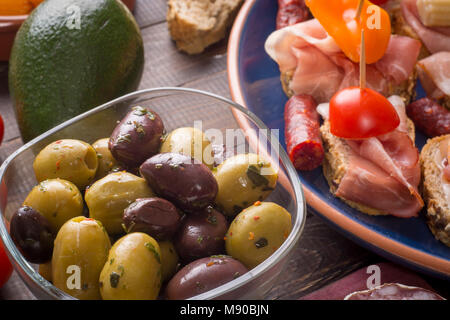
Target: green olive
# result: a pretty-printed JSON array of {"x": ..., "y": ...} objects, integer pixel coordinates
[
  {"x": 57, "y": 200},
  {"x": 72, "y": 160},
  {"x": 191, "y": 142},
  {"x": 257, "y": 232},
  {"x": 45, "y": 270},
  {"x": 81, "y": 250},
  {"x": 169, "y": 259},
  {"x": 133, "y": 270},
  {"x": 106, "y": 161},
  {"x": 108, "y": 197},
  {"x": 242, "y": 180}
]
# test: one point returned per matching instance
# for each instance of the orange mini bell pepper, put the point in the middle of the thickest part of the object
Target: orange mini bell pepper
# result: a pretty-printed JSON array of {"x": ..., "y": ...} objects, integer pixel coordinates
[{"x": 338, "y": 17}]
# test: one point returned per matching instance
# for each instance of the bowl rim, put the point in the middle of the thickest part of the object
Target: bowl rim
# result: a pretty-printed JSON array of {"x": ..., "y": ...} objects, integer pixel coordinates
[
  {"x": 423, "y": 260},
  {"x": 288, "y": 245}
]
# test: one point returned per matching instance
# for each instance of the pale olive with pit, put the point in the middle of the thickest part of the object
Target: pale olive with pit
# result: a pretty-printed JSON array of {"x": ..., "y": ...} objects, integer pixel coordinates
[
  {"x": 108, "y": 197},
  {"x": 133, "y": 269},
  {"x": 57, "y": 200},
  {"x": 68, "y": 159},
  {"x": 169, "y": 259},
  {"x": 106, "y": 161},
  {"x": 243, "y": 180},
  {"x": 191, "y": 142},
  {"x": 81, "y": 250},
  {"x": 257, "y": 232}
]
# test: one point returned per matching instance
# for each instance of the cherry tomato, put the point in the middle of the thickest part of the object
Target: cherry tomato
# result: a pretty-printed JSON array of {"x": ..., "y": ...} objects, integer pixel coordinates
[
  {"x": 357, "y": 113},
  {"x": 5, "y": 266}
]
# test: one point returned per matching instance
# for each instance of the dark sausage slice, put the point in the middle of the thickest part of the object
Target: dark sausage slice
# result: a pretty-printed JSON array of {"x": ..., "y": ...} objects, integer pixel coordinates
[
  {"x": 291, "y": 12},
  {"x": 429, "y": 116},
  {"x": 303, "y": 141}
]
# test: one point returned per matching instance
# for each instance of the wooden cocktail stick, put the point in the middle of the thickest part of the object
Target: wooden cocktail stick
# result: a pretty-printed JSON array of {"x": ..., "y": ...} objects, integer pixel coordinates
[
  {"x": 362, "y": 62},
  {"x": 359, "y": 10}
]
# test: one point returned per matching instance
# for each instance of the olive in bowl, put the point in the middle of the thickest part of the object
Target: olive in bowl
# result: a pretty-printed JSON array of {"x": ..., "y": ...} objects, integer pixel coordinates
[
  {"x": 106, "y": 161},
  {"x": 57, "y": 200},
  {"x": 201, "y": 235},
  {"x": 137, "y": 137},
  {"x": 189, "y": 141},
  {"x": 203, "y": 275},
  {"x": 68, "y": 159},
  {"x": 108, "y": 197},
  {"x": 257, "y": 232},
  {"x": 242, "y": 180},
  {"x": 156, "y": 217},
  {"x": 32, "y": 234},
  {"x": 179, "y": 178}
]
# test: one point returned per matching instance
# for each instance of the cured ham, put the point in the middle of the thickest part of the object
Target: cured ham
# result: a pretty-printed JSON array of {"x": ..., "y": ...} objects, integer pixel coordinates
[
  {"x": 384, "y": 172},
  {"x": 321, "y": 69},
  {"x": 434, "y": 74},
  {"x": 435, "y": 39}
]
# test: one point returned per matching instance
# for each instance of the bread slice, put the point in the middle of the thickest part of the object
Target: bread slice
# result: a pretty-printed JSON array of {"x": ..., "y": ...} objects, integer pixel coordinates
[
  {"x": 336, "y": 163},
  {"x": 196, "y": 24},
  {"x": 438, "y": 209}
]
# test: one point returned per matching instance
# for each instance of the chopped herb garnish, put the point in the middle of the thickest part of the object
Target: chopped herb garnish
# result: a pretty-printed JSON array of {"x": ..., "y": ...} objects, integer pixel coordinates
[
  {"x": 236, "y": 274},
  {"x": 261, "y": 243},
  {"x": 124, "y": 138},
  {"x": 158, "y": 165},
  {"x": 111, "y": 261},
  {"x": 150, "y": 115},
  {"x": 255, "y": 176},
  {"x": 199, "y": 239},
  {"x": 121, "y": 269},
  {"x": 212, "y": 219},
  {"x": 139, "y": 111},
  {"x": 152, "y": 249},
  {"x": 114, "y": 279}
]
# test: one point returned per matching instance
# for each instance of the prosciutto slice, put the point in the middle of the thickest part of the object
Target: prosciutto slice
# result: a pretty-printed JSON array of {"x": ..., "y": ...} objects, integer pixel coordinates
[
  {"x": 434, "y": 74},
  {"x": 435, "y": 39},
  {"x": 384, "y": 171},
  {"x": 320, "y": 68}
]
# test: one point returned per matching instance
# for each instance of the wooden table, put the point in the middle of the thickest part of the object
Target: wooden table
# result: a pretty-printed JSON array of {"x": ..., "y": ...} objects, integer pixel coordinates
[{"x": 322, "y": 255}]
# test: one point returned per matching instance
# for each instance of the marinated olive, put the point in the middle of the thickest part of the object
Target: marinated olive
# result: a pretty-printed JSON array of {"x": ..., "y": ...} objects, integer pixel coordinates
[
  {"x": 182, "y": 180},
  {"x": 201, "y": 235},
  {"x": 45, "y": 270},
  {"x": 57, "y": 200},
  {"x": 133, "y": 270},
  {"x": 191, "y": 142},
  {"x": 32, "y": 234},
  {"x": 81, "y": 250},
  {"x": 72, "y": 160},
  {"x": 203, "y": 275},
  {"x": 106, "y": 161},
  {"x": 108, "y": 197},
  {"x": 169, "y": 259},
  {"x": 242, "y": 180},
  {"x": 137, "y": 137},
  {"x": 155, "y": 216},
  {"x": 257, "y": 232}
]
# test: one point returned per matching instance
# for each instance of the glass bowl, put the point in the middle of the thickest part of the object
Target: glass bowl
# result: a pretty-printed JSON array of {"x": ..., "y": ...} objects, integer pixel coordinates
[{"x": 178, "y": 107}]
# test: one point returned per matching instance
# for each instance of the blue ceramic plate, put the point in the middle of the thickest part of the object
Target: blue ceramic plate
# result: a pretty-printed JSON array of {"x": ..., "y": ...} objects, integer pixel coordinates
[{"x": 255, "y": 83}]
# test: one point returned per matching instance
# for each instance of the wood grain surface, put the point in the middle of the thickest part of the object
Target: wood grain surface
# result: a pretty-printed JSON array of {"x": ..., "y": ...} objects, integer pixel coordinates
[{"x": 321, "y": 256}]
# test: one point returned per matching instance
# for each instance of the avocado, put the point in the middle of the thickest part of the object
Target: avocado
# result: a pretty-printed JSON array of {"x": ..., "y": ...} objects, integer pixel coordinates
[{"x": 70, "y": 56}]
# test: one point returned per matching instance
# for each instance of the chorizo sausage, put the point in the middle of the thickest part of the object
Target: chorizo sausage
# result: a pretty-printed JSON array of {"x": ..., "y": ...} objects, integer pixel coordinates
[
  {"x": 291, "y": 12},
  {"x": 302, "y": 134},
  {"x": 429, "y": 116}
]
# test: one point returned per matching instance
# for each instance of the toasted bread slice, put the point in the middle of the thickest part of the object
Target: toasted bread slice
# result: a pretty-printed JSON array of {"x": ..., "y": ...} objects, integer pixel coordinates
[
  {"x": 438, "y": 208},
  {"x": 336, "y": 163},
  {"x": 196, "y": 24}
]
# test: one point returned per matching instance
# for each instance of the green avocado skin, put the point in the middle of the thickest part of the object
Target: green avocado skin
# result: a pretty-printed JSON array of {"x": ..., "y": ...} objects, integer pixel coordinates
[{"x": 57, "y": 71}]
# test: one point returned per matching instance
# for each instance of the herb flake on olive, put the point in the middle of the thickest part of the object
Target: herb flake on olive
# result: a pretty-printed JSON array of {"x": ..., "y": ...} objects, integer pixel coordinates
[{"x": 114, "y": 278}]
